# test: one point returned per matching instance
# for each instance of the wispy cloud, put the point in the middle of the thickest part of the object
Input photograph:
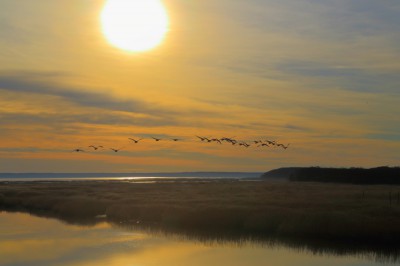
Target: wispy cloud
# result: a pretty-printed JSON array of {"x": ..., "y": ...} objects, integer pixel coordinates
[
  {"x": 42, "y": 84},
  {"x": 99, "y": 118},
  {"x": 347, "y": 78}
]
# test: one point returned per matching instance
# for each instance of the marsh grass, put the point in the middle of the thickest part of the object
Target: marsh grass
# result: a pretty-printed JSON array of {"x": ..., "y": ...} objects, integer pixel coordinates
[{"x": 327, "y": 213}]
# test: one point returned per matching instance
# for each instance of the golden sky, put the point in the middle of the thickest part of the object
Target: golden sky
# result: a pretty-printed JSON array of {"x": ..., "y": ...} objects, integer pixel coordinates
[{"x": 320, "y": 75}]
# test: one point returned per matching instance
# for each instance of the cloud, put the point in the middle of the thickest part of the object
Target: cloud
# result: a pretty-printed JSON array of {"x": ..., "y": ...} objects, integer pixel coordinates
[
  {"x": 94, "y": 118},
  {"x": 395, "y": 136},
  {"x": 29, "y": 150},
  {"x": 43, "y": 84},
  {"x": 338, "y": 19},
  {"x": 354, "y": 79}
]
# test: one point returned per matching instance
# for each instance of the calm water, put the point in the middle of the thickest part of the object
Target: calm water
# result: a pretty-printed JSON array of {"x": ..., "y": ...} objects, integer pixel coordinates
[
  {"x": 124, "y": 176},
  {"x": 28, "y": 240}
]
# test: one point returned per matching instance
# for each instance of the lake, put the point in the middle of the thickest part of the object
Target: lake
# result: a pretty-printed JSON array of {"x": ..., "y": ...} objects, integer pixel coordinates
[{"x": 30, "y": 240}]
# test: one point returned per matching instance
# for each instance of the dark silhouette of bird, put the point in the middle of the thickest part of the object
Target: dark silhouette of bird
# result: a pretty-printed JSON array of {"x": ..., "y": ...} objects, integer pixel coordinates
[
  {"x": 135, "y": 140},
  {"x": 244, "y": 144},
  {"x": 175, "y": 140},
  {"x": 282, "y": 145},
  {"x": 232, "y": 141},
  {"x": 95, "y": 147},
  {"x": 202, "y": 138},
  {"x": 285, "y": 147},
  {"x": 271, "y": 142},
  {"x": 78, "y": 150},
  {"x": 116, "y": 150},
  {"x": 216, "y": 140},
  {"x": 263, "y": 145},
  {"x": 156, "y": 139}
]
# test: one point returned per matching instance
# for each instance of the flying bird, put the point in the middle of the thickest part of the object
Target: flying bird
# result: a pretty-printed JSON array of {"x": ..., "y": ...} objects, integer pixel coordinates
[
  {"x": 202, "y": 138},
  {"x": 78, "y": 150},
  {"x": 230, "y": 140},
  {"x": 135, "y": 140},
  {"x": 263, "y": 145},
  {"x": 282, "y": 145},
  {"x": 156, "y": 139},
  {"x": 95, "y": 147},
  {"x": 116, "y": 150},
  {"x": 216, "y": 140},
  {"x": 244, "y": 144},
  {"x": 175, "y": 139},
  {"x": 271, "y": 142}
]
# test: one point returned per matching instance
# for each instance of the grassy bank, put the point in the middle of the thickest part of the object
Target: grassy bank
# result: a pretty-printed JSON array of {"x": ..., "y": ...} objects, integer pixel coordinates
[{"x": 324, "y": 212}]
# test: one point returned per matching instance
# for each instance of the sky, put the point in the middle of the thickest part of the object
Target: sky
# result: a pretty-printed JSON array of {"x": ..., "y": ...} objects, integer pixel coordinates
[{"x": 320, "y": 75}]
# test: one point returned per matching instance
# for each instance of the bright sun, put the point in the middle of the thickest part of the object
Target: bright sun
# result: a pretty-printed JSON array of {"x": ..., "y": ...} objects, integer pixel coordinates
[{"x": 134, "y": 25}]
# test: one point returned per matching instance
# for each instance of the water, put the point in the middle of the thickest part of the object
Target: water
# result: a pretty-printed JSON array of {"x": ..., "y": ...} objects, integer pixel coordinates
[
  {"x": 125, "y": 176},
  {"x": 33, "y": 241}
]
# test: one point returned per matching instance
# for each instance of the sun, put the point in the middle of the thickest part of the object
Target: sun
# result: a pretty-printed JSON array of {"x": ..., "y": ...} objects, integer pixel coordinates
[{"x": 134, "y": 25}]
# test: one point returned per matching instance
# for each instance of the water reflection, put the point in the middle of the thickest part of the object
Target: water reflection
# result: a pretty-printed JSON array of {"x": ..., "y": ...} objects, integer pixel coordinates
[
  {"x": 29, "y": 240},
  {"x": 368, "y": 251}
]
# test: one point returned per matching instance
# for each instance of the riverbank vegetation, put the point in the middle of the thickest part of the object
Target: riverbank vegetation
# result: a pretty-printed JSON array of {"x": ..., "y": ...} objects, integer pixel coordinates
[{"x": 222, "y": 208}]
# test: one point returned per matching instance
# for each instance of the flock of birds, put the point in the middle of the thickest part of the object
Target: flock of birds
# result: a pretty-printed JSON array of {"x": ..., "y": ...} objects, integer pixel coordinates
[{"x": 231, "y": 141}]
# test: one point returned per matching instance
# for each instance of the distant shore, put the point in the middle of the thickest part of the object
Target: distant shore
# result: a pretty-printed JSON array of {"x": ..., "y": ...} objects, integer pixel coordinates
[
  {"x": 221, "y": 208},
  {"x": 382, "y": 175}
]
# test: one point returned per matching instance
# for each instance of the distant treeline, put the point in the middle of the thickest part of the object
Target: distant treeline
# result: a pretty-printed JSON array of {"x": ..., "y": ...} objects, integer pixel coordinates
[{"x": 373, "y": 176}]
